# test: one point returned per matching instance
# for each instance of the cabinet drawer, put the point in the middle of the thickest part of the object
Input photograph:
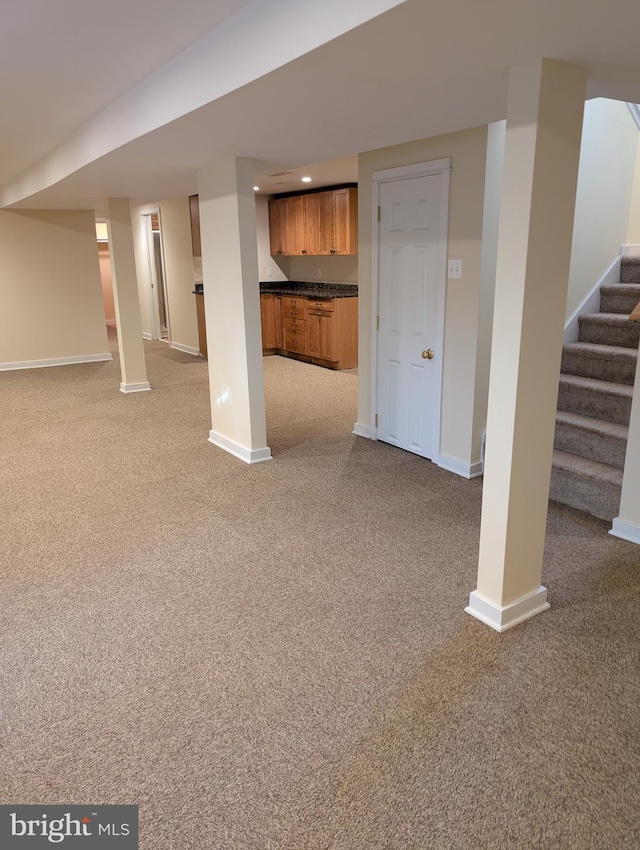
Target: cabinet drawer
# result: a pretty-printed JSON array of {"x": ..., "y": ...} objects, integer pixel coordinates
[
  {"x": 295, "y": 325},
  {"x": 323, "y": 304},
  {"x": 293, "y": 307},
  {"x": 296, "y": 341}
]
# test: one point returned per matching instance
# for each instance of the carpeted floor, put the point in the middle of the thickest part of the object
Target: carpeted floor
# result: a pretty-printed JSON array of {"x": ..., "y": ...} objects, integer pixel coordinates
[{"x": 276, "y": 657}]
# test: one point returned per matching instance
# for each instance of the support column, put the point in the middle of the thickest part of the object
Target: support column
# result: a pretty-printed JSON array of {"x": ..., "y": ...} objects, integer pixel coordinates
[
  {"x": 544, "y": 127},
  {"x": 627, "y": 524},
  {"x": 133, "y": 367},
  {"x": 232, "y": 309}
]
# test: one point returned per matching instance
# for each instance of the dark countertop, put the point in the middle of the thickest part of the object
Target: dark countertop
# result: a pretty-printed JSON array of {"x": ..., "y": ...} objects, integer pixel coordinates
[{"x": 309, "y": 289}]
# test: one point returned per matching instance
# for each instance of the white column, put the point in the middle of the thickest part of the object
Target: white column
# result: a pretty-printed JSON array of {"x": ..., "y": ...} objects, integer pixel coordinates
[
  {"x": 125, "y": 296},
  {"x": 232, "y": 309},
  {"x": 544, "y": 125},
  {"x": 627, "y": 524}
]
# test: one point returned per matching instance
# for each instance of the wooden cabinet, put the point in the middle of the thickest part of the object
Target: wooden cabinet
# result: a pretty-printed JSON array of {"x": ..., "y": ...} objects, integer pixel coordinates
[
  {"x": 321, "y": 337},
  {"x": 332, "y": 331},
  {"x": 268, "y": 320},
  {"x": 294, "y": 324},
  {"x": 317, "y": 224},
  {"x": 194, "y": 213},
  {"x": 319, "y": 330}
]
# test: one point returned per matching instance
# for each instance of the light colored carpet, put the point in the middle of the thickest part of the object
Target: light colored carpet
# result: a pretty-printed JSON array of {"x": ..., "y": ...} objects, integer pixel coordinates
[{"x": 276, "y": 657}]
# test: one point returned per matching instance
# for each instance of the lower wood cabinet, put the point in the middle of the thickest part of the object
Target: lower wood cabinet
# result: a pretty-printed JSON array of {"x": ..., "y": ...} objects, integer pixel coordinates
[{"x": 321, "y": 331}]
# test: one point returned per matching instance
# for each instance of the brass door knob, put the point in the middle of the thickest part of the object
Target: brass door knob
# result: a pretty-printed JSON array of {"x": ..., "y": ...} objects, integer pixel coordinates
[{"x": 428, "y": 354}]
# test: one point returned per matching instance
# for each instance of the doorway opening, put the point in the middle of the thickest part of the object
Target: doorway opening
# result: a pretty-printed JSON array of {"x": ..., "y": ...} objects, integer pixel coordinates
[{"x": 158, "y": 300}]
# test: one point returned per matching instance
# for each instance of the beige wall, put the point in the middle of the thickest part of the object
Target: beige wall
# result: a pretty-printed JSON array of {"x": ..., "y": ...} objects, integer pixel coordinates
[
  {"x": 633, "y": 230},
  {"x": 107, "y": 281},
  {"x": 468, "y": 152},
  {"x": 603, "y": 200},
  {"x": 175, "y": 222},
  {"x": 334, "y": 269},
  {"x": 50, "y": 294}
]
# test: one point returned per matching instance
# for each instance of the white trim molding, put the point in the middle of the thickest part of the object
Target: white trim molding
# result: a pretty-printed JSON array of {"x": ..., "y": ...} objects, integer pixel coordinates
[
  {"x": 506, "y": 617},
  {"x": 55, "y": 361},
  {"x": 634, "y": 109},
  {"x": 247, "y": 455},
  {"x": 188, "y": 349},
  {"x": 630, "y": 250},
  {"x": 625, "y": 530},
  {"x": 140, "y": 387},
  {"x": 146, "y": 335},
  {"x": 591, "y": 304},
  {"x": 459, "y": 467},
  {"x": 361, "y": 430}
]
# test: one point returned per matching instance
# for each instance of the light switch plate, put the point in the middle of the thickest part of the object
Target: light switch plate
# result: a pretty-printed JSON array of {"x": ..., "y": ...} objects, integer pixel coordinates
[{"x": 455, "y": 268}]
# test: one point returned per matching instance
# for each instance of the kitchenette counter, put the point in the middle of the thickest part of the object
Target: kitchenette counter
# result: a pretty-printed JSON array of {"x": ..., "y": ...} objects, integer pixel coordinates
[{"x": 309, "y": 289}]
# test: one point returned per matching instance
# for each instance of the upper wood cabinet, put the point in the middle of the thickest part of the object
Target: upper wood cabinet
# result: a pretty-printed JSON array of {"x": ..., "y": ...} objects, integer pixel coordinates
[
  {"x": 317, "y": 224},
  {"x": 194, "y": 212}
]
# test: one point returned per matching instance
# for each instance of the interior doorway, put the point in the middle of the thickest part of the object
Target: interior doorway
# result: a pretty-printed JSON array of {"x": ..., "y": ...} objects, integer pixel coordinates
[{"x": 158, "y": 300}]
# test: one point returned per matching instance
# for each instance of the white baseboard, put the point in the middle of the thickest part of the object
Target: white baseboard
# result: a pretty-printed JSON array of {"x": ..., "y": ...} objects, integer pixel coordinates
[
  {"x": 625, "y": 530},
  {"x": 140, "y": 387},
  {"x": 591, "y": 304},
  {"x": 145, "y": 335},
  {"x": 188, "y": 349},
  {"x": 506, "y": 617},
  {"x": 460, "y": 467},
  {"x": 630, "y": 250},
  {"x": 247, "y": 455},
  {"x": 361, "y": 430},
  {"x": 55, "y": 361}
]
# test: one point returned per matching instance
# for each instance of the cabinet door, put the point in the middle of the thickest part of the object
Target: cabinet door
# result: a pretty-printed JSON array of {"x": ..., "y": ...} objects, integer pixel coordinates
[
  {"x": 325, "y": 228},
  {"x": 268, "y": 320},
  {"x": 279, "y": 331},
  {"x": 295, "y": 238},
  {"x": 312, "y": 224},
  {"x": 277, "y": 224},
  {"x": 320, "y": 335},
  {"x": 345, "y": 222}
]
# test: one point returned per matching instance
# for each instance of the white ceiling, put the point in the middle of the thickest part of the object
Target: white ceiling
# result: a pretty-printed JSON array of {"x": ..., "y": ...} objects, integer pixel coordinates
[{"x": 422, "y": 68}]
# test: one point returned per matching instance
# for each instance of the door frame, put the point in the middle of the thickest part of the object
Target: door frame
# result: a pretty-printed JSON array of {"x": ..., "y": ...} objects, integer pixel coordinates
[
  {"x": 391, "y": 175},
  {"x": 151, "y": 278}
]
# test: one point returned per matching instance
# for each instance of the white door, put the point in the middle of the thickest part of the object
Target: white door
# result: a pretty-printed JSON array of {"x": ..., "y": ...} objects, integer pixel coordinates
[{"x": 411, "y": 267}]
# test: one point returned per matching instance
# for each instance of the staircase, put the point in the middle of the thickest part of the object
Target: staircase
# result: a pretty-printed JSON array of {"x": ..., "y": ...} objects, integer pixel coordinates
[{"x": 594, "y": 401}]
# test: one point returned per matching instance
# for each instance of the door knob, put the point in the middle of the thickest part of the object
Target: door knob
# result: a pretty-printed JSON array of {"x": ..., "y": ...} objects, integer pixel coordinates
[{"x": 428, "y": 354}]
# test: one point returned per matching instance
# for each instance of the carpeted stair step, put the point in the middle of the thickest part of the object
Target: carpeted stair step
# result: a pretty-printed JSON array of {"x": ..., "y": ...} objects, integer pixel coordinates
[
  {"x": 585, "y": 484},
  {"x": 608, "y": 329},
  {"x": 630, "y": 270},
  {"x": 604, "y": 362},
  {"x": 619, "y": 297},
  {"x": 600, "y": 399},
  {"x": 593, "y": 439}
]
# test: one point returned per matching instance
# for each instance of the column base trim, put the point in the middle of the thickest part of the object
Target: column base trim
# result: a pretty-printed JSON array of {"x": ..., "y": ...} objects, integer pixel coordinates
[
  {"x": 361, "y": 430},
  {"x": 506, "y": 617},
  {"x": 459, "y": 467},
  {"x": 140, "y": 387},
  {"x": 247, "y": 455},
  {"x": 625, "y": 530}
]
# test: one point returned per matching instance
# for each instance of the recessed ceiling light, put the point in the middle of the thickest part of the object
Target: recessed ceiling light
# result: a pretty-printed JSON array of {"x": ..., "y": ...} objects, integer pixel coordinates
[
  {"x": 306, "y": 179},
  {"x": 256, "y": 188}
]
